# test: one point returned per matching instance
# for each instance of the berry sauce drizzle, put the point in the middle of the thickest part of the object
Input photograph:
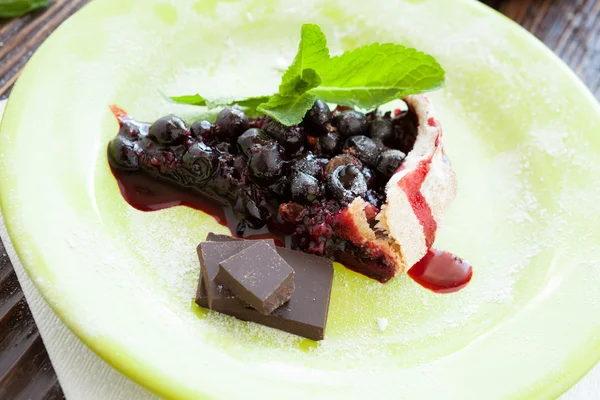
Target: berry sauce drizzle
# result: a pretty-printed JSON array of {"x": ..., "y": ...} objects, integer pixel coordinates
[
  {"x": 146, "y": 194},
  {"x": 441, "y": 272},
  {"x": 411, "y": 185}
]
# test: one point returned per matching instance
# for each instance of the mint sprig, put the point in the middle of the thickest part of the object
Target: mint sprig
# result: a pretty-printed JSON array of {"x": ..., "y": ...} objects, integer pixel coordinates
[
  {"x": 365, "y": 78},
  {"x": 376, "y": 74}
]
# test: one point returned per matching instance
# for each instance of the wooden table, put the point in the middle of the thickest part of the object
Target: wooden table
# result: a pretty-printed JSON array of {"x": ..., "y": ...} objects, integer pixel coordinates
[{"x": 570, "y": 27}]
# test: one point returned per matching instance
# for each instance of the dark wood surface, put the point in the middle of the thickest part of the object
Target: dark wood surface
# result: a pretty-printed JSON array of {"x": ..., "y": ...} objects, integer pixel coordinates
[{"x": 570, "y": 27}]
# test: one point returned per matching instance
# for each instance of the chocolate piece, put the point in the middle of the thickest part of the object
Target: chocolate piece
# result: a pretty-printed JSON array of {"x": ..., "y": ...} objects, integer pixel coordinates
[
  {"x": 217, "y": 237},
  {"x": 210, "y": 255},
  {"x": 201, "y": 295},
  {"x": 259, "y": 276},
  {"x": 306, "y": 312}
]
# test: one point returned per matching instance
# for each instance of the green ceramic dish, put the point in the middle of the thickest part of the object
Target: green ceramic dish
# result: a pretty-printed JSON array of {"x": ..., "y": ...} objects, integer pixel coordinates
[{"x": 521, "y": 130}]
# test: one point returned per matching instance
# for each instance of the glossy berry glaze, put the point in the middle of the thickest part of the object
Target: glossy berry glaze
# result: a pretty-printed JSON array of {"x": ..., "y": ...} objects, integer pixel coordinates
[
  {"x": 441, "y": 272},
  {"x": 263, "y": 179}
]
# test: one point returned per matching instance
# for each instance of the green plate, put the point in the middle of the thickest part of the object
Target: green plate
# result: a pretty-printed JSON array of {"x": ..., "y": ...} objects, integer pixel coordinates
[{"x": 521, "y": 130}]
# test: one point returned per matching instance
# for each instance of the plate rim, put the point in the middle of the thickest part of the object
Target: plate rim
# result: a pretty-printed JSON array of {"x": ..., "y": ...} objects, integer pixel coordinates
[{"x": 143, "y": 374}]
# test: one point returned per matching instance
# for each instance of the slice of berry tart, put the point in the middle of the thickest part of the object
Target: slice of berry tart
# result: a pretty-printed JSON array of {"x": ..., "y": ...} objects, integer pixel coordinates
[{"x": 368, "y": 190}]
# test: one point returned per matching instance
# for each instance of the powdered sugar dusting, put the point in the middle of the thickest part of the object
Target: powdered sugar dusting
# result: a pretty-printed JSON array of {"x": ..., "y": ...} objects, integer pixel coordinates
[{"x": 526, "y": 165}]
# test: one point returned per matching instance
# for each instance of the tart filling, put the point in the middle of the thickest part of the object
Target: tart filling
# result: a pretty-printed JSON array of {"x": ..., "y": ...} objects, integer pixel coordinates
[{"x": 368, "y": 190}]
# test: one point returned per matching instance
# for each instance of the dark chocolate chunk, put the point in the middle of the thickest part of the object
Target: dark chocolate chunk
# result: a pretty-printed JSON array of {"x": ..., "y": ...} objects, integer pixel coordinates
[
  {"x": 217, "y": 237},
  {"x": 259, "y": 276},
  {"x": 210, "y": 255},
  {"x": 201, "y": 295},
  {"x": 306, "y": 312}
]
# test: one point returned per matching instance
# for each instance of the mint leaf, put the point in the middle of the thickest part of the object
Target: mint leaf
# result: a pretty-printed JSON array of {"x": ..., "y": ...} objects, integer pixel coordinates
[
  {"x": 372, "y": 75},
  {"x": 302, "y": 83},
  {"x": 192, "y": 99},
  {"x": 250, "y": 102},
  {"x": 197, "y": 100},
  {"x": 288, "y": 110},
  {"x": 312, "y": 53},
  {"x": 365, "y": 77}
]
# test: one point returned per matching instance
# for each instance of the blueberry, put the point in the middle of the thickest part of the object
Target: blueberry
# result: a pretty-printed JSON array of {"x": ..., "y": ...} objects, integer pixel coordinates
[
  {"x": 346, "y": 183},
  {"x": 201, "y": 161},
  {"x": 265, "y": 164},
  {"x": 246, "y": 209},
  {"x": 121, "y": 151},
  {"x": 225, "y": 147},
  {"x": 202, "y": 129},
  {"x": 339, "y": 160},
  {"x": 406, "y": 131},
  {"x": 132, "y": 129},
  {"x": 329, "y": 144},
  {"x": 309, "y": 165},
  {"x": 225, "y": 184},
  {"x": 231, "y": 122},
  {"x": 240, "y": 165},
  {"x": 290, "y": 137},
  {"x": 351, "y": 123},
  {"x": 318, "y": 117},
  {"x": 253, "y": 137},
  {"x": 369, "y": 177},
  {"x": 390, "y": 162},
  {"x": 383, "y": 130},
  {"x": 168, "y": 130},
  {"x": 363, "y": 148},
  {"x": 281, "y": 187},
  {"x": 304, "y": 188}
]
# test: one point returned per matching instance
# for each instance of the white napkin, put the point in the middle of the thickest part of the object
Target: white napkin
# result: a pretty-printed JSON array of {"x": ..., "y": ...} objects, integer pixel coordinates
[{"x": 83, "y": 375}]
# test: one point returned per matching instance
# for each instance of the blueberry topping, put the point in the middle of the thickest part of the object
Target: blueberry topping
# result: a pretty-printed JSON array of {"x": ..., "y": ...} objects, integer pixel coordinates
[
  {"x": 318, "y": 118},
  {"x": 369, "y": 177},
  {"x": 363, "y": 148},
  {"x": 339, "y": 160},
  {"x": 225, "y": 183},
  {"x": 121, "y": 151},
  {"x": 231, "y": 122},
  {"x": 346, "y": 183},
  {"x": 247, "y": 210},
  {"x": 406, "y": 131},
  {"x": 304, "y": 188},
  {"x": 351, "y": 123},
  {"x": 290, "y": 137},
  {"x": 240, "y": 165},
  {"x": 252, "y": 138},
  {"x": 281, "y": 187},
  {"x": 132, "y": 129},
  {"x": 390, "y": 162},
  {"x": 383, "y": 130},
  {"x": 265, "y": 164},
  {"x": 202, "y": 129},
  {"x": 293, "y": 213},
  {"x": 309, "y": 165},
  {"x": 329, "y": 144},
  {"x": 293, "y": 180},
  {"x": 168, "y": 130},
  {"x": 201, "y": 161},
  {"x": 225, "y": 147}
]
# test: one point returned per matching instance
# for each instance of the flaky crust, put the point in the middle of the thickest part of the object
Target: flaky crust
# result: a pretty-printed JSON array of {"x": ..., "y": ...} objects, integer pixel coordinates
[{"x": 417, "y": 197}]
